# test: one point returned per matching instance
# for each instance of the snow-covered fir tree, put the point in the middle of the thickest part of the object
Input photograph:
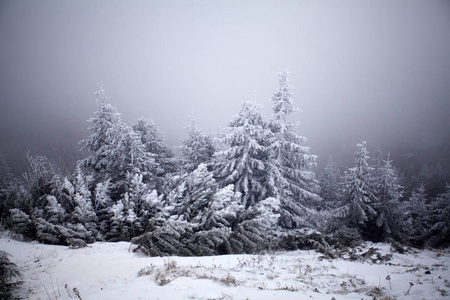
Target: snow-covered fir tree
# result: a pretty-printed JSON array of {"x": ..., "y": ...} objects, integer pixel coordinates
[
  {"x": 10, "y": 276},
  {"x": 7, "y": 187},
  {"x": 416, "y": 212},
  {"x": 106, "y": 119},
  {"x": 115, "y": 148},
  {"x": 291, "y": 167},
  {"x": 116, "y": 221},
  {"x": 153, "y": 140},
  {"x": 101, "y": 204},
  {"x": 225, "y": 208},
  {"x": 21, "y": 223},
  {"x": 244, "y": 163},
  {"x": 221, "y": 217},
  {"x": 193, "y": 194},
  {"x": 257, "y": 228},
  {"x": 42, "y": 179},
  {"x": 83, "y": 212},
  {"x": 377, "y": 158},
  {"x": 389, "y": 216},
  {"x": 141, "y": 204},
  {"x": 198, "y": 147},
  {"x": 330, "y": 185},
  {"x": 55, "y": 213},
  {"x": 440, "y": 219},
  {"x": 359, "y": 196}
]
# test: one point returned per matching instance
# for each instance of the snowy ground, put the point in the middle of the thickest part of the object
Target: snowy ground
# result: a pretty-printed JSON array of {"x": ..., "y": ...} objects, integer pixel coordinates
[{"x": 110, "y": 271}]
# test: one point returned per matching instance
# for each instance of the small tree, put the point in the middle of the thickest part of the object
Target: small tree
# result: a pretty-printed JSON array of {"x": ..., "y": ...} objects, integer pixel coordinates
[
  {"x": 198, "y": 147},
  {"x": 102, "y": 204},
  {"x": 357, "y": 209},
  {"x": 244, "y": 163},
  {"x": 416, "y": 215},
  {"x": 440, "y": 217},
  {"x": 330, "y": 185},
  {"x": 153, "y": 140},
  {"x": 389, "y": 191}
]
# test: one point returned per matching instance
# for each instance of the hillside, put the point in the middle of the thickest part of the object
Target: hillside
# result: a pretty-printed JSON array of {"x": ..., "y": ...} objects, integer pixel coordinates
[{"x": 111, "y": 271}]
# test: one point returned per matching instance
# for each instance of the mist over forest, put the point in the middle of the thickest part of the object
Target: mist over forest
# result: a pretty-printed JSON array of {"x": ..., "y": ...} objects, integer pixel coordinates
[{"x": 360, "y": 71}]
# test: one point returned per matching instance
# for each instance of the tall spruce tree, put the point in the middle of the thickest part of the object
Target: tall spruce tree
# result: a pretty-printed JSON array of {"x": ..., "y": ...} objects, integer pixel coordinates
[{"x": 295, "y": 182}]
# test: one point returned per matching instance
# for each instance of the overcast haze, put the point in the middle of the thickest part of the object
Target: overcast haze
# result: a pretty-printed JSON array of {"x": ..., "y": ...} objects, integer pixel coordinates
[{"x": 361, "y": 70}]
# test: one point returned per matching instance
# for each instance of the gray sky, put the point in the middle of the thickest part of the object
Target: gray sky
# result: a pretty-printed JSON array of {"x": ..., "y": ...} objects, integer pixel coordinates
[{"x": 362, "y": 70}]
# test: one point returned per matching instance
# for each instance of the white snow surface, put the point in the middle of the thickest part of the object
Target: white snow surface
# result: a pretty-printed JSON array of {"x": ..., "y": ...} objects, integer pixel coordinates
[{"x": 112, "y": 271}]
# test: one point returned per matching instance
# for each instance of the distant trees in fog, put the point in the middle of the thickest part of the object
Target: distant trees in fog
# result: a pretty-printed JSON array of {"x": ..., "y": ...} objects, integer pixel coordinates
[{"x": 253, "y": 188}]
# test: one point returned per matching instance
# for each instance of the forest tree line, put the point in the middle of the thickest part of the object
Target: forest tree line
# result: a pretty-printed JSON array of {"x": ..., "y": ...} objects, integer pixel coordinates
[{"x": 251, "y": 189}]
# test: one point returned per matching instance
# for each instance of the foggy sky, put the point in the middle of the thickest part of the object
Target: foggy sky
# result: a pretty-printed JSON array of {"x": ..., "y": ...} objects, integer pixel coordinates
[{"x": 361, "y": 70}]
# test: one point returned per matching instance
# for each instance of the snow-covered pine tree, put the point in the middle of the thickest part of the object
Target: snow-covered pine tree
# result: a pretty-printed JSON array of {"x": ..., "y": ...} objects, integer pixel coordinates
[
  {"x": 115, "y": 148},
  {"x": 257, "y": 227},
  {"x": 358, "y": 193},
  {"x": 67, "y": 195},
  {"x": 220, "y": 219},
  {"x": 102, "y": 204},
  {"x": 197, "y": 148},
  {"x": 141, "y": 204},
  {"x": 416, "y": 215},
  {"x": 54, "y": 212},
  {"x": 129, "y": 155},
  {"x": 225, "y": 209},
  {"x": 42, "y": 179},
  {"x": 6, "y": 187},
  {"x": 440, "y": 220},
  {"x": 200, "y": 188},
  {"x": 10, "y": 277},
  {"x": 153, "y": 140},
  {"x": 83, "y": 212},
  {"x": 330, "y": 185},
  {"x": 188, "y": 229},
  {"x": 389, "y": 217},
  {"x": 80, "y": 219},
  {"x": 46, "y": 232},
  {"x": 377, "y": 172},
  {"x": 244, "y": 163},
  {"x": 378, "y": 161},
  {"x": 21, "y": 223},
  {"x": 169, "y": 233},
  {"x": 103, "y": 125},
  {"x": 170, "y": 239},
  {"x": 117, "y": 218},
  {"x": 291, "y": 169},
  {"x": 6, "y": 175}
]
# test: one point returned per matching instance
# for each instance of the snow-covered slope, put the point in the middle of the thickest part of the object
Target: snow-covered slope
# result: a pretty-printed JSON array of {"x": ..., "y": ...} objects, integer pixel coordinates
[{"x": 111, "y": 271}]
